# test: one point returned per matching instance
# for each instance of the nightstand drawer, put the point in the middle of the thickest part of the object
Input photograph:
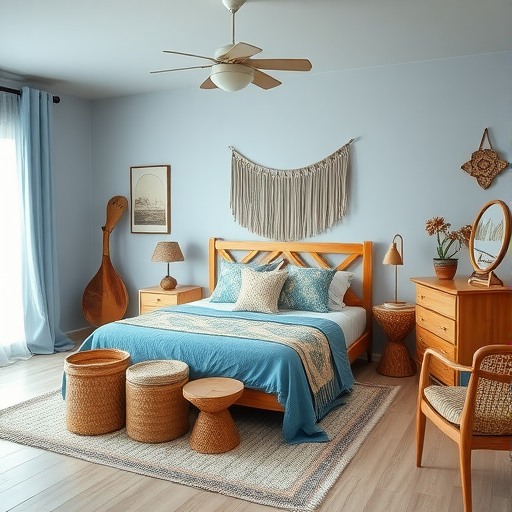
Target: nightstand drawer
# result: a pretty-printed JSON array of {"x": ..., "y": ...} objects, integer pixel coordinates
[
  {"x": 150, "y": 301},
  {"x": 436, "y": 324},
  {"x": 156, "y": 298},
  {"x": 425, "y": 339},
  {"x": 443, "y": 303}
]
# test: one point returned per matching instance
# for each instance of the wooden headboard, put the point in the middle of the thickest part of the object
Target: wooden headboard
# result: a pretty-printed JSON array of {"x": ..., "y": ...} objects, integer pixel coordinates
[{"x": 301, "y": 253}]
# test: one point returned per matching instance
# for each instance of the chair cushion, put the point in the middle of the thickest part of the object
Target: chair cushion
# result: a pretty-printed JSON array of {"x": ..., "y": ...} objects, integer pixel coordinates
[{"x": 448, "y": 401}]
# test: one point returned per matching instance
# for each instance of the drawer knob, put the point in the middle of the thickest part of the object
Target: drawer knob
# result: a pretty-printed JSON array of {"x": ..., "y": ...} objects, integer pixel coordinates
[
  {"x": 422, "y": 296},
  {"x": 443, "y": 328},
  {"x": 158, "y": 299}
]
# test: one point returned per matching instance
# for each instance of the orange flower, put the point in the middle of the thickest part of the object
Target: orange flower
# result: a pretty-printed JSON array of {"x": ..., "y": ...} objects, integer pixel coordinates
[{"x": 446, "y": 239}]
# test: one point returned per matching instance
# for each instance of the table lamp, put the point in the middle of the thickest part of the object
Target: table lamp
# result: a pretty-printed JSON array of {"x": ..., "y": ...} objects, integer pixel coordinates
[
  {"x": 395, "y": 257},
  {"x": 167, "y": 251}
]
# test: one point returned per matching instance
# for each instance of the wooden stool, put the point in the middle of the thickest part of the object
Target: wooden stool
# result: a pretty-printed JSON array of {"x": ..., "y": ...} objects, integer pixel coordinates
[{"x": 214, "y": 430}]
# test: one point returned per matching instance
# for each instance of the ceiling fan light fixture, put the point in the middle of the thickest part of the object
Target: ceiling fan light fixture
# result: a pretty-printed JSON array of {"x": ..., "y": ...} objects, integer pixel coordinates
[{"x": 231, "y": 77}]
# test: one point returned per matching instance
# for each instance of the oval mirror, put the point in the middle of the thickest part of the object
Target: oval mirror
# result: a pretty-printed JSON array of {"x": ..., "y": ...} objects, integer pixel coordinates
[{"x": 488, "y": 243}]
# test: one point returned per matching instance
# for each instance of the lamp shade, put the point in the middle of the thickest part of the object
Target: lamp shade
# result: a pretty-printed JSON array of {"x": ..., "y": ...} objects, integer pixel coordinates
[
  {"x": 231, "y": 77},
  {"x": 168, "y": 252},
  {"x": 393, "y": 257}
]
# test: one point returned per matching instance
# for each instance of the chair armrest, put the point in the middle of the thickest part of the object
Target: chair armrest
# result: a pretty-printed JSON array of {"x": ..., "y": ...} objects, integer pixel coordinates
[{"x": 424, "y": 376}]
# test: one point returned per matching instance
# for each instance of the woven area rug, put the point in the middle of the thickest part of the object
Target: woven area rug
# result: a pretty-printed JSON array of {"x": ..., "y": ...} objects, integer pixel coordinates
[{"x": 262, "y": 469}]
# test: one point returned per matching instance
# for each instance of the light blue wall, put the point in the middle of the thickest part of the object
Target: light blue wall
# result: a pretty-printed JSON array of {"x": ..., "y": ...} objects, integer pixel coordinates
[
  {"x": 414, "y": 125},
  {"x": 72, "y": 184}
]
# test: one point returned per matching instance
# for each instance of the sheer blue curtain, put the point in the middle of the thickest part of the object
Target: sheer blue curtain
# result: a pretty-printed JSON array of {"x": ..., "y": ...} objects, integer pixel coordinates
[
  {"x": 13, "y": 344},
  {"x": 39, "y": 283},
  {"x": 39, "y": 248}
]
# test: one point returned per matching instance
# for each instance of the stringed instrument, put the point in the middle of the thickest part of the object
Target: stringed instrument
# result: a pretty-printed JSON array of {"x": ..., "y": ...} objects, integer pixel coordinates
[{"x": 105, "y": 298}]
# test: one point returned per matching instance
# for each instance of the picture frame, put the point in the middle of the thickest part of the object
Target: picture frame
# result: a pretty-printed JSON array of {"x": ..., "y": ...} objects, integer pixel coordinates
[{"x": 150, "y": 197}]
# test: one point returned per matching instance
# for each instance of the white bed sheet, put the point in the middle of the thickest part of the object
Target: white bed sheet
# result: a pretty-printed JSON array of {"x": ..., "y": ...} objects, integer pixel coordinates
[{"x": 351, "y": 319}]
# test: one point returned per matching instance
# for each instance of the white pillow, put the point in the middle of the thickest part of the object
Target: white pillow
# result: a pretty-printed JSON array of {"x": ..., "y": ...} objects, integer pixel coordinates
[
  {"x": 260, "y": 291},
  {"x": 339, "y": 285}
]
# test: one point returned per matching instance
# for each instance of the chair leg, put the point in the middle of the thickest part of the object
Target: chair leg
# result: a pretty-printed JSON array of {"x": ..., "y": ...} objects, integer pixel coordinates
[
  {"x": 465, "y": 473},
  {"x": 421, "y": 421}
]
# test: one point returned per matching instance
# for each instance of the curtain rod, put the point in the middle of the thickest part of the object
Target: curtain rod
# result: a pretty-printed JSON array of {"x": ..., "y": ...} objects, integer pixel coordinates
[{"x": 56, "y": 99}]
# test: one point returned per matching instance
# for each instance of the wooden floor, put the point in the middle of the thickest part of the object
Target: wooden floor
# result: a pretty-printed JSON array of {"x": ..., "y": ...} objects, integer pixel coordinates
[{"x": 381, "y": 477}]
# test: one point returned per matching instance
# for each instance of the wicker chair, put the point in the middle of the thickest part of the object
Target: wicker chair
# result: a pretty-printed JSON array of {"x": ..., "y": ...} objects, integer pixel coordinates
[{"x": 478, "y": 417}]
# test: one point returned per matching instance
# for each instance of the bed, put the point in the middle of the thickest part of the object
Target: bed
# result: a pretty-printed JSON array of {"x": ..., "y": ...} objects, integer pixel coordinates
[{"x": 260, "y": 348}]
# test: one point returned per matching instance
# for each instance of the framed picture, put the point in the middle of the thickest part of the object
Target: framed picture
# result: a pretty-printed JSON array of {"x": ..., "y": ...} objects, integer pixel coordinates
[{"x": 150, "y": 198}]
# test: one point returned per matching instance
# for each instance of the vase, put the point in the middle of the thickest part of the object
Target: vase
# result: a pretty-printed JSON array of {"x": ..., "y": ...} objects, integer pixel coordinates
[{"x": 445, "y": 269}]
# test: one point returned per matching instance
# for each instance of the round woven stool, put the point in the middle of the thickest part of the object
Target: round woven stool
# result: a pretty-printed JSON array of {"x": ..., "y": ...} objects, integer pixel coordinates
[
  {"x": 155, "y": 408},
  {"x": 95, "y": 391},
  {"x": 214, "y": 430}
]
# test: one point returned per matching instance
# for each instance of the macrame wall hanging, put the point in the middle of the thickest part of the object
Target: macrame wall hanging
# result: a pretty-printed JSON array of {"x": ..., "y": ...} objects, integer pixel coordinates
[{"x": 289, "y": 205}]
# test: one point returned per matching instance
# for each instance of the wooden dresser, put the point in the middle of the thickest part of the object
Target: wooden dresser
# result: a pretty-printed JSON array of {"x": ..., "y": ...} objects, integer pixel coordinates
[
  {"x": 457, "y": 319},
  {"x": 154, "y": 297}
]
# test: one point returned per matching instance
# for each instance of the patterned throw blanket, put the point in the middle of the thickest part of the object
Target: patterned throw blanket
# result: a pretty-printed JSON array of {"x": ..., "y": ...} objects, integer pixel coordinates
[{"x": 310, "y": 343}]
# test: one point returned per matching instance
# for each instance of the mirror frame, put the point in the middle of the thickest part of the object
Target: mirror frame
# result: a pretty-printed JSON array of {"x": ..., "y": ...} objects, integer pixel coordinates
[{"x": 486, "y": 276}]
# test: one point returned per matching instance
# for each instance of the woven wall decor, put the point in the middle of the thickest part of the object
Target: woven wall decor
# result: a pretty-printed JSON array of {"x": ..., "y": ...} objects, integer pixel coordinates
[
  {"x": 485, "y": 164},
  {"x": 288, "y": 205}
]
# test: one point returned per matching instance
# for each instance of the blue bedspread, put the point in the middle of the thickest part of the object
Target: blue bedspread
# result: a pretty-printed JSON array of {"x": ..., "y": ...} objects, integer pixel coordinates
[{"x": 262, "y": 365}]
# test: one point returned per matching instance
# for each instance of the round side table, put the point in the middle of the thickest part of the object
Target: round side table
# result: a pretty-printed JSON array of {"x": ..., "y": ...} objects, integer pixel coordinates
[
  {"x": 396, "y": 324},
  {"x": 214, "y": 430}
]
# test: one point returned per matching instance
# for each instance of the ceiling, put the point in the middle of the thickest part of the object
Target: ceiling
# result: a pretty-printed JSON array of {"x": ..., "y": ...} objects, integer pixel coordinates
[{"x": 104, "y": 48}]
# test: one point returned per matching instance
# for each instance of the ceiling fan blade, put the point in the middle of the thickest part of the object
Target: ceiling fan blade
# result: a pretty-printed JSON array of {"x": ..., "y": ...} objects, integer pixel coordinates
[
  {"x": 280, "y": 64},
  {"x": 264, "y": 81},
  {"x": 240, "y": 51},
  {"x": 181, "y": 69},
  {"x": 191, "y": 55},
  {"x": 208, "y": 84}
]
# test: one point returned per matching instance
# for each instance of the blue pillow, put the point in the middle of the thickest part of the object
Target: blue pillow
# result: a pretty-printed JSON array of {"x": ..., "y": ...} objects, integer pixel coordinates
[
  {"x": 229, "y": 283},
  {"x": 306, "y": 289}
]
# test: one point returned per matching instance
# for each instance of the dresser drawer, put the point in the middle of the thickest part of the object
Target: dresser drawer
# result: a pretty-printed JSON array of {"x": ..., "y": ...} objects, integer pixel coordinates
[
  {"x": 437, "y": 324},
  {"x": 443, "y": 303},
  {"x": 425, "y": 339}
]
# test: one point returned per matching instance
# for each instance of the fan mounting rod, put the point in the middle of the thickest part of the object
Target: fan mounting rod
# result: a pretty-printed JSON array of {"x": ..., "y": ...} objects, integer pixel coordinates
[{"x": 233, "y": 6}]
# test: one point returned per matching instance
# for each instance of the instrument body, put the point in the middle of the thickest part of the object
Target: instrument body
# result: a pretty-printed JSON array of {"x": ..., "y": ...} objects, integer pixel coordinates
[{"x": 105, "y": 298}]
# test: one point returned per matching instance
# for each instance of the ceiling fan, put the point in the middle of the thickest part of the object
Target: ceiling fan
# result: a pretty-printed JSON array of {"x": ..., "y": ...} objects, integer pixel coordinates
[{"x": 232, "y": 67}]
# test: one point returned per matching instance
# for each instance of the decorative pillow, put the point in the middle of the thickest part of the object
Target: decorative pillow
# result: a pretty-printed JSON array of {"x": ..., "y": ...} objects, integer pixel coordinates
[
  {"x": 339, "y": 285},
  {"x": 230, "y": 279},
  {"x": 260, "y": 291},
  {"x": 306, "y": 289}
]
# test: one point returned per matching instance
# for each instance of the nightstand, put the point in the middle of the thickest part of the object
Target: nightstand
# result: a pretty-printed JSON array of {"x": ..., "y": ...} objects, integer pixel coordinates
[
  {"x": 154, "y": 297},
  {"x": 396, "y": 324}
]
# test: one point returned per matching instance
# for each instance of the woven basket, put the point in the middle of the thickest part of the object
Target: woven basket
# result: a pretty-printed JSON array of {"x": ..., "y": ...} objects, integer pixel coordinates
[
  {"x": 156, "y": 410},
  {"x": 95, "y": 391}
]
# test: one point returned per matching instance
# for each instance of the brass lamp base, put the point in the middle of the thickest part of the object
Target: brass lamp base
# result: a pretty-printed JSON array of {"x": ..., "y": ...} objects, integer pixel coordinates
[{"x": 168, "y": 283}]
